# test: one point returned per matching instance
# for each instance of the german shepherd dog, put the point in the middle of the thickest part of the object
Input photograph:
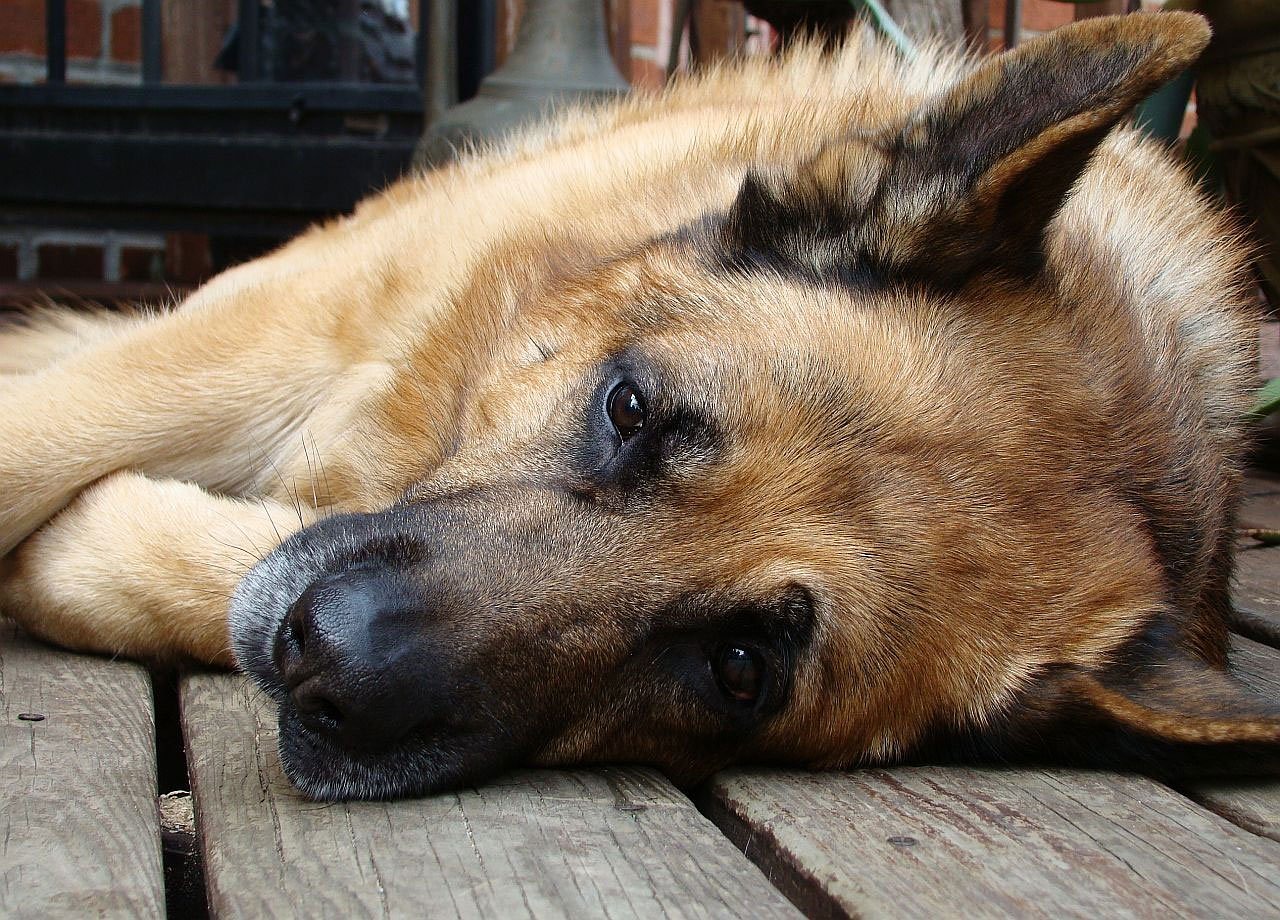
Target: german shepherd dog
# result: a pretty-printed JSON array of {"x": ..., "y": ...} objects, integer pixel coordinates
[{"x": 833, "y": 411}]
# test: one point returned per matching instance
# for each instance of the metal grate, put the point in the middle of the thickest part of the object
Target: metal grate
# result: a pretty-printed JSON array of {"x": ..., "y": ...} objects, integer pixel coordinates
[{"x": 267, "y": 154}]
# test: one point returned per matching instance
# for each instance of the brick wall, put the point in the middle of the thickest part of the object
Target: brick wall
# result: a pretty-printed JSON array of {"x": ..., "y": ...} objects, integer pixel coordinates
[
  {"x": 1044, "y": 15},
  {"x": 103, "y": 41},
  {"x": 650, "y": 41},
  {"x": 1037, "y": 16},
  {"x": 104, "y": 36},
  {"x": 44, "y": 254},
  {"x": 104, "y": 47}
]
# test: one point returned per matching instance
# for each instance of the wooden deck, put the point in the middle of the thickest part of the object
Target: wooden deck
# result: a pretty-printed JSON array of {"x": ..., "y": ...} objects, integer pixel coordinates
[{"x": 82, "y": 834}]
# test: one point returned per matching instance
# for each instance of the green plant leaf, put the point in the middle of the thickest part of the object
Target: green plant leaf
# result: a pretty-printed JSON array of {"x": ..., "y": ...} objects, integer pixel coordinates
[
  {"x": 1268, "y": 399},
  {"x": 1263, "y": 535}
]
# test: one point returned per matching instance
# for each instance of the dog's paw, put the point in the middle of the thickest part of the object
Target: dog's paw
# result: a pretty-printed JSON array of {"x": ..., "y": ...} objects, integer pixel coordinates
[{"x": 109, "y": 574}]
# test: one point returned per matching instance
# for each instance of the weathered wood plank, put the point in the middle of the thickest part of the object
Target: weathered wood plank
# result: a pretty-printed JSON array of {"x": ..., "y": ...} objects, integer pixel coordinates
[
  {"x": 978, "y": 842},
  {"x": 1255, "y": 593},
  {"x": 1251, "y": 802},
  {"x": 1256, "y": 589},
  {"x": 605, "y": 843},
  {"x": 1260, "y": 506},
  {"x": 1257, "y": 665},
  {"x": 81, "y": 836}
]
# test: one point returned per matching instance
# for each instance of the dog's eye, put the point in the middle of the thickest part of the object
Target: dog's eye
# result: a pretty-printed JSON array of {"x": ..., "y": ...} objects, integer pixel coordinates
[
  {"x": 740, "y": 672},
  {"x": 626, "y": 410}
]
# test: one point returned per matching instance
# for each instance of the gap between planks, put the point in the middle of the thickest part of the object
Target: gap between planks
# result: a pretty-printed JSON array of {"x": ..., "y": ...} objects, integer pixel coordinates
[
  {"x": 998, "y": 842},
  {"x": 1001, "y": 842},
  {"x": 611, "y": 842}
]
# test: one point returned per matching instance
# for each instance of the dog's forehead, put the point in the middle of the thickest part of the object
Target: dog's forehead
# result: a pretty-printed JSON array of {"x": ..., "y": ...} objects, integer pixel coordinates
[{"x": 776, "y": 348}]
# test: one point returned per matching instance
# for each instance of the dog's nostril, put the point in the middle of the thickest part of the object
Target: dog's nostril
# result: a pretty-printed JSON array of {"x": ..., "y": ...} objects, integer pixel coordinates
[
  {"x": 289, "y": 648},
  {"x": 297, "y": 631},
  {"x": 318, "y": 711},
  {"x": 346, "y": 654},
  {"x": 299, "y": 650}
]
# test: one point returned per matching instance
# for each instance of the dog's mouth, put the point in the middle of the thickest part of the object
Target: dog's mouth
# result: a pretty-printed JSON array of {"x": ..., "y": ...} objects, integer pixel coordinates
[{"x": 420, "y": 763}]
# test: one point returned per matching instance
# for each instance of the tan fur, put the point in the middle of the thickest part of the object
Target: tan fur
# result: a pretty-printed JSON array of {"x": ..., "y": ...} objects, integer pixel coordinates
[
  {"x": 44, "y": 335},
  {"x": 435, "y": 340}
]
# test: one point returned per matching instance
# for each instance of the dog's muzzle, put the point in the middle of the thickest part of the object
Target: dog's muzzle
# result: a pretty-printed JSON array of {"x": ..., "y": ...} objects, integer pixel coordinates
[
  {"x": 365, "y": 639},
  {"x": 427, "y": 645}
]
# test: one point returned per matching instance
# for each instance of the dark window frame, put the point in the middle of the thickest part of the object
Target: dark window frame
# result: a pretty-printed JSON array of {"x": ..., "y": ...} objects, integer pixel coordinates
[{"x": 258, "y": 157}]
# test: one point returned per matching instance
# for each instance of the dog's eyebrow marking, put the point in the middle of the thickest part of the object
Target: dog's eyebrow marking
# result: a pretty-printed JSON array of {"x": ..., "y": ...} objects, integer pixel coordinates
[
  {"x": 693, "y": 437},
  {"x": 706, "y": 236}
]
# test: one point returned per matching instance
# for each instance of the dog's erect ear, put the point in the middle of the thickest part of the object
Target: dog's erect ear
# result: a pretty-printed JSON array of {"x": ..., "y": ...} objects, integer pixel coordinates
[
  {"x": 976, "y": 173},
  {"x": 1159, "y": 708}
]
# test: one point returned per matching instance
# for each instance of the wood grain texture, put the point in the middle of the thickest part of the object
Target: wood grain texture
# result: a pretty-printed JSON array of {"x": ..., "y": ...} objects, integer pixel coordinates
[
  {"x": 927, "y": 842},
  {"x": 603, "y": 843},
  {"x": 1251, "y": 802},
  {"x": 1260, "y": 506},
  {"x": 81, "y": 835},
  {"x": 1256, "y": 591},
  {"x": 1258, "y": 666}
]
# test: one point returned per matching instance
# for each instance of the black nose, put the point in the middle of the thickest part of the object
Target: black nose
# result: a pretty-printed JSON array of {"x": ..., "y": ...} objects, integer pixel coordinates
[{"x": 352, "y": 653}]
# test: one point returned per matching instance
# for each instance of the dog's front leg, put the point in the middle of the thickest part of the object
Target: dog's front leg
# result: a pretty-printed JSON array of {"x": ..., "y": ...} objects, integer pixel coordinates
[
  {"x": 141, "y": 567},
  {"x": 210, "y": 396}
]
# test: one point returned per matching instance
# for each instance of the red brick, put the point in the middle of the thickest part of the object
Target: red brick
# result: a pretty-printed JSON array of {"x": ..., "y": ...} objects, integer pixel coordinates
[
  {"x": 618, "y": 17},
  {"x": 84, "y": 28},
  {"x": 8, "y": 261},
  {"x": 721, "y": 26},
  {"x": 22, "y": 26},
  {"x": 1037, "y": 15},
  {"x": 64, "y": 262},
  {"x": 1100, "y": 8},
  {"x": 508, "y": 21},
  {"x": 1043, "y": 15},
  {"x": 126, "y": 34},
  {"x": 646, "y": 73},
  {"x": 141, "y": 263},
  {"x": 187, "y": 257},
  {"x": 645, "y": 19}
]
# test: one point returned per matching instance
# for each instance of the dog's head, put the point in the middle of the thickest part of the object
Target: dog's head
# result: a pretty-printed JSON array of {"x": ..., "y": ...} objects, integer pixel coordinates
[{"x": 781, "y": 487}]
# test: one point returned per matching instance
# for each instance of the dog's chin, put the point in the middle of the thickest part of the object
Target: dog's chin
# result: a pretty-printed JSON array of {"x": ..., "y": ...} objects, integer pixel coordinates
[
  {"x": 416, "y": 766},
  {"x": 319, "y": 771}
]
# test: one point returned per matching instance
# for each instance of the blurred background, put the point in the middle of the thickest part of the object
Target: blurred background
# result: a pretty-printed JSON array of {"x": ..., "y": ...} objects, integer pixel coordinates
[{"x": 147, "y": 144}]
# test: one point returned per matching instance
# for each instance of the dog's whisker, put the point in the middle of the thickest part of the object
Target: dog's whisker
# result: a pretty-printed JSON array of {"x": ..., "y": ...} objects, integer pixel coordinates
[
  {"x": 311, "y": 472},
  {"x": 324, "y": 475}
]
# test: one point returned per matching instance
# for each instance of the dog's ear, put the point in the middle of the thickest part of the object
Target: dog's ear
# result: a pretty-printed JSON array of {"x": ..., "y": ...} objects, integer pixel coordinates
[
  {"x": 975, "y": 174},
  {"x": 1158, "y": 707}
]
